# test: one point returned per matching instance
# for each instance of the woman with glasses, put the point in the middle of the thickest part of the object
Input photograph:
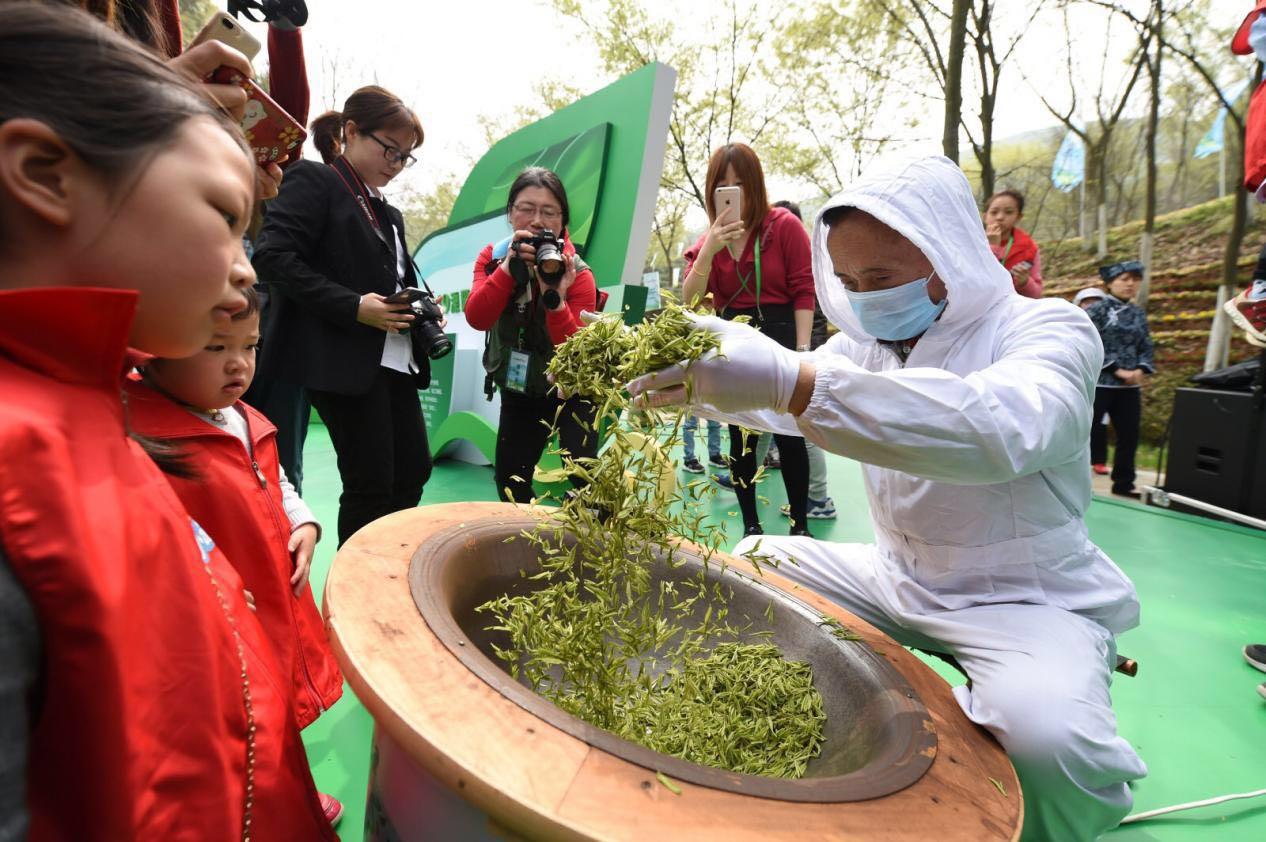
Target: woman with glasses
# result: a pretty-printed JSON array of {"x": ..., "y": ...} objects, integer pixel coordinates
[
  {"x": 333, "y": 250},
  {"x": 526, "y": 317}
]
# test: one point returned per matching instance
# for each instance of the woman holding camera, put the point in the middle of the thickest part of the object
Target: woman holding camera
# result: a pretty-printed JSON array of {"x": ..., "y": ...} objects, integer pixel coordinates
[
  {"x": 529, "y": 306},
  {"x": 755, "y": 261},
  {"x": 333, "y": 251}
]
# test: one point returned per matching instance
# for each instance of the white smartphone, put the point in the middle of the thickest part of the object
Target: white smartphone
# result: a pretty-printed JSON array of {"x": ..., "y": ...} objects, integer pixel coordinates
[
  {"x": 222, "y": 27},
  {"x": 729, "y": 197}
]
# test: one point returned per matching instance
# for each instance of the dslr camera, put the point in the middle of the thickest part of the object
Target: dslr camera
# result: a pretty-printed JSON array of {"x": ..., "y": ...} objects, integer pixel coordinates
[
  {"x": 549, "y": 261},
  {"x": 426, "y": 321}
]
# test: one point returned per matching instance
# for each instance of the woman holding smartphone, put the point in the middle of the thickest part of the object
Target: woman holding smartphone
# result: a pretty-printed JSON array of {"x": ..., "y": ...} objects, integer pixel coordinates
[
  {"x": 755, "y": 261},
  {"x": 332, "y": 251}
]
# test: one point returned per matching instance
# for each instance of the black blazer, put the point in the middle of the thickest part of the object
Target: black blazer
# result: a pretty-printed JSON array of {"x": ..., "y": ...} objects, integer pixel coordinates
[{"x": 318, "y": 254}]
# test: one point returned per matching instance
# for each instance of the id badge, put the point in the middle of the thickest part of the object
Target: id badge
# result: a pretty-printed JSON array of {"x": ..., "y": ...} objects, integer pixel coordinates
[{"x": 517, "y": 373}]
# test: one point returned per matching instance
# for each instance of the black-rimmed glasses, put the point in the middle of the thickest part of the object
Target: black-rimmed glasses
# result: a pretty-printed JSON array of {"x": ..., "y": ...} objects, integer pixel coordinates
[{"x": 392, "y": 154}]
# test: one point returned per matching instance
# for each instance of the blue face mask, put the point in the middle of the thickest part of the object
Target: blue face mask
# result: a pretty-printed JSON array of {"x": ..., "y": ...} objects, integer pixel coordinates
[{"x": 902, "y": 312}]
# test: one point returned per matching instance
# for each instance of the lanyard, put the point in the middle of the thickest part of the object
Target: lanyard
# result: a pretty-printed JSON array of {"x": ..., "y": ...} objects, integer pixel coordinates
[
  {"x": 361, "y": 195},
  {"x": 1007, "y": 253},
  {"x": 743, "y": 280}
]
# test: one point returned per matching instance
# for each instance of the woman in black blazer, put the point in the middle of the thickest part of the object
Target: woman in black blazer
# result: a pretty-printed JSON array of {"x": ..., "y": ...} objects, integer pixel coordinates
[{"x": 332, "y": 250}]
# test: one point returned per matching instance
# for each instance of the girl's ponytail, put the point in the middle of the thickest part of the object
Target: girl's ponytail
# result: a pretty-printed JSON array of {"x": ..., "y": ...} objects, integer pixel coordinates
[{"x": 327, "y": 135}]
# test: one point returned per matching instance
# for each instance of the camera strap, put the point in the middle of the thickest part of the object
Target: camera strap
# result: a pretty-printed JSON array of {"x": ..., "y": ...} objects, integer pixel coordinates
[{"x": 361, "y": 194}]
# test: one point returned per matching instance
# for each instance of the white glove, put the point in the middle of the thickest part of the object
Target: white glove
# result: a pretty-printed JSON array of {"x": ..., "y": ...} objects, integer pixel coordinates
[{"x": 750, "y": 371}]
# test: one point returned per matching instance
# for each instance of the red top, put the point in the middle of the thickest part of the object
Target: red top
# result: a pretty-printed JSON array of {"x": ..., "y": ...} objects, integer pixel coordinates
[
  {"x": 245, "y": 516},
  {"x": 786, "y": 265},
  {"x": 490, "y": 293},
  {"x": 1021, "y": 249},
  {"x": 140, "y": 722}
]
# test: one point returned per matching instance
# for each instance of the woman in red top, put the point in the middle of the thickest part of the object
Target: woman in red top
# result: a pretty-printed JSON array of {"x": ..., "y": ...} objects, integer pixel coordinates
[
  {"x": 756, "y": 263},
  {"x": 140, "y": 698},
  {"x": 526, "y": 318},
  {"x": 1012, "y": 245}
]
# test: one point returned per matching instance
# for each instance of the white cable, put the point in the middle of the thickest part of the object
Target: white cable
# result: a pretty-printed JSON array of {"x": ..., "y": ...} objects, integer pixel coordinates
[{"x": 1147, "y": 814}]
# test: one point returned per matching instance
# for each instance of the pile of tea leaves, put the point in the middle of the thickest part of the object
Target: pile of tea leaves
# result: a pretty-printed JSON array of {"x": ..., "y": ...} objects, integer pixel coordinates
[{"x": 654, "y": 659}]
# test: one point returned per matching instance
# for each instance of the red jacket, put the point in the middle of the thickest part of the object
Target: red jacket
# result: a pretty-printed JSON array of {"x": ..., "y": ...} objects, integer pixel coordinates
[
  {"x": 141, "y": 725},
  {"x": 786, "y": 267},
  {"x": 490, "y": 293},
  {"x": 238, "y": 501},
  {"x": 1021, "y": 248}
]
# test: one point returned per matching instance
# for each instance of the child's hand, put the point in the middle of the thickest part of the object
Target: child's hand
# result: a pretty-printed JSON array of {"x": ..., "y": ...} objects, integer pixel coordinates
[
  {"x": 250, "y": 599},
  {"x": 302, "y": 543}
]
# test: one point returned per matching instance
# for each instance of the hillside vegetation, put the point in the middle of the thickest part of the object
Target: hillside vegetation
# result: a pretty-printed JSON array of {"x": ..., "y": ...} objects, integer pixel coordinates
[{"x": 1187, "y": 265}]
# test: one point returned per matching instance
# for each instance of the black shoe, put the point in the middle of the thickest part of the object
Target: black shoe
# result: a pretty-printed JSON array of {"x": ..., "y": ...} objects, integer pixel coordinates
[
  {"x": 719, "y": 461},
  {"x": 801, "y": 532},
  {"x": 1255, "y": 654},
  {"x": 692, "y": 465},
  {"x": 755, "y": 529},
  {"x": 1126, "y": 492}
]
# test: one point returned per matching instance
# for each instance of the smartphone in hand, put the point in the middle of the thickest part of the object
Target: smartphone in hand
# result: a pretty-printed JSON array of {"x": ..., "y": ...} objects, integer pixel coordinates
[
  {"x": 221, "y": 27},
  {"x": 271, "y": 132},
  {"x": 729, "y": 197}
]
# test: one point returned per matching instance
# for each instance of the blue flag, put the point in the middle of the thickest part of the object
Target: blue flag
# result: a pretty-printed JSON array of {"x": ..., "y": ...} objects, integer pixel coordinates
[
  {"x": 1212, "y": 142},
  {"x": 1069, "y": 169}
]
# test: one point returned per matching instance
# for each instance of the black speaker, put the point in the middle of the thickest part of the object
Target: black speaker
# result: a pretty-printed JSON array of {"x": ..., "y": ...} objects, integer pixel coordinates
[{"x": 1217, "y": 450}]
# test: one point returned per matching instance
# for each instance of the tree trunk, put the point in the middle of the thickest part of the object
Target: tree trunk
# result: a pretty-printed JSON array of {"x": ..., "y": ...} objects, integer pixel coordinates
[
  {"x": 954, "y": 79},
  {"x": 988, "y": 175},
  {"x": 1153, "y": 123}
]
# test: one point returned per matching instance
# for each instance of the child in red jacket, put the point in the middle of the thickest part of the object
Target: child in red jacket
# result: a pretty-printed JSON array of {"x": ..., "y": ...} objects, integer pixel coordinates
[{"x": 237, "y": 490}]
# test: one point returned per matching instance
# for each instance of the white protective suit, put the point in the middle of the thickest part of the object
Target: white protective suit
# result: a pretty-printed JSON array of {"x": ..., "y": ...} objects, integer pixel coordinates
[{"x": 975, "y": 456}]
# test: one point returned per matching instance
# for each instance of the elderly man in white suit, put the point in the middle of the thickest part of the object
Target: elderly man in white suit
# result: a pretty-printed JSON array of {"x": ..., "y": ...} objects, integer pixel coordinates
[{"x": 969, "y": 408}]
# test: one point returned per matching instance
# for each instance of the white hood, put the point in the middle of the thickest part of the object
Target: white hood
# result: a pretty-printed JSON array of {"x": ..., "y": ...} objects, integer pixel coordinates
[{"x": 929, "y": 202}]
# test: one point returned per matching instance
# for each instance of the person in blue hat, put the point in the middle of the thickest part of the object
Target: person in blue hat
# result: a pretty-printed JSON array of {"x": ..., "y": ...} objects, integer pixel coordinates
[{"x": 1127, "y": 358}]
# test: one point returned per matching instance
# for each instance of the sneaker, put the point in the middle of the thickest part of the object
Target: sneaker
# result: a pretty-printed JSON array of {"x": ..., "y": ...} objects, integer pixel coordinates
[
  {"x": 1248, "y": 311},
  {"x": 1101, "y": 470},
  {"x": 818, "y": 509},
  {"x": 332, "y": 808},
  {"x": 723, "y": 480},
  {"x": 1255, "y": 654},
  {"x": 1130, "y": 492},
  {"x": 802, "y": 532},
  {"x": 754, "y": 529},
  {"x": 692, "y": 465},
  {"x": 772, "y": 461},
  {"x": 718, "y": 460}
]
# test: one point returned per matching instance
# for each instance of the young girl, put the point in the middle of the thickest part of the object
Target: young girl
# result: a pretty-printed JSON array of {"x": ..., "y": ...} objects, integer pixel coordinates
[
  {"x": 140, "y": 698},
  {"x": 1011, "y": 244},
  {"x": 236, "y": 489},
  {"x": 1127, "y": 356}
]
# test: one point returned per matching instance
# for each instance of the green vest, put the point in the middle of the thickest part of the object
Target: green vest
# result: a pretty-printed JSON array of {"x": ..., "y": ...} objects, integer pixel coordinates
[{"x": 526, "y": 333}]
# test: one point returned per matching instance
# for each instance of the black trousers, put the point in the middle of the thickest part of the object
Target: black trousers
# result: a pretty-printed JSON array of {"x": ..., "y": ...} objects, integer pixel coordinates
[
  {"x": 284, "y": 404},
  {"x": 524, "y": 430},
  {"x": 791, "y": 449},
  {"x": 1124, "y": 407},
  {"x": 380, "y": 440}
]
